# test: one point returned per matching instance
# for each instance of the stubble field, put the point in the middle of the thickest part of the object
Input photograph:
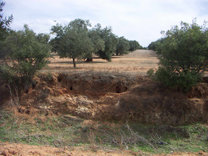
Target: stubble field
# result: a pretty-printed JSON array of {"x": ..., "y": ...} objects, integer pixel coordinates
[{"x": 137, "y": 62}]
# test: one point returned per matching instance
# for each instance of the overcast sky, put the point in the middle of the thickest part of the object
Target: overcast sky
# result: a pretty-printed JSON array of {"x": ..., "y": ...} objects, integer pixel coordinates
[{"x": 140, "y": 20}]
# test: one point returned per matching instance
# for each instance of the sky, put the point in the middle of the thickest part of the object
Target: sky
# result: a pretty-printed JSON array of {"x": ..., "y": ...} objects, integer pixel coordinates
[{"x": 140, "y": 20}]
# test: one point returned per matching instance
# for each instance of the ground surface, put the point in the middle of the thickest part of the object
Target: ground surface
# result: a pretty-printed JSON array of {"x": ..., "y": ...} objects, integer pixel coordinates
[
  {"x": 104, "y": 108},
  {"x": 137, "y": 62}
]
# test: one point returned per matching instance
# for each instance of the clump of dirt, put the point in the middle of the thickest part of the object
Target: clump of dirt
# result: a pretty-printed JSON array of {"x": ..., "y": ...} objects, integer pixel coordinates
[
  {"x": 113, "y": 97},
  {"x": 200, "y": 91}
]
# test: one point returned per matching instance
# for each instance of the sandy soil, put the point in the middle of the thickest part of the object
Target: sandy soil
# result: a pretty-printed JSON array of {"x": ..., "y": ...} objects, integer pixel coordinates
[
  {"x": 137, "y": 62},
  {"x": 8, "y": 149}
]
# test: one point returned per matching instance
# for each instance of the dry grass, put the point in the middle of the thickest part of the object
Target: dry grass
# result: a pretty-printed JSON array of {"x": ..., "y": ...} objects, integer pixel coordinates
[{"x": 137, "y": 62}]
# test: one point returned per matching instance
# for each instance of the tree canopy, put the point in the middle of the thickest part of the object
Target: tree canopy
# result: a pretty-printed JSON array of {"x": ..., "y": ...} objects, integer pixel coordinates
[
  {"x": 72, "y": 40},
  {"x": 122, "y": 46},
  {"x": 133, "y": 45},
  {"x": 110, "y": 43},
  {"x": 183, "y": 55}
]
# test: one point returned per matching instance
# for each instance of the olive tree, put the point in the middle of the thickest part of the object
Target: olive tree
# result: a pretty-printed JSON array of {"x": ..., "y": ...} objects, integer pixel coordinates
[
  {"x": 183, "y": 55},
  {"x": 122, "y": 46},
  {"x": 133, "y": 45},
  {"x": 110, "y": 43},
  {"x": 72, "y": 40},
  {"x": 97, "y": 41},
  {"x": 27, "y": 54}
]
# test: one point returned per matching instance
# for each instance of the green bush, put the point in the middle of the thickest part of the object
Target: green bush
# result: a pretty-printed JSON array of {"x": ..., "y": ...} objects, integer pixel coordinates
[
  {"x": 183, "y": 56},
  {"x": 26, "y": 54},
  {"x": 181, "y": 81},
  {"x": 150, "y": 73}
]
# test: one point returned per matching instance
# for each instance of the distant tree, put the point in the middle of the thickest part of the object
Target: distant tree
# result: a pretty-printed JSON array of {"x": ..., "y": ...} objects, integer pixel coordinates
[
  {"x": 98, "y": 42},
  {"x": 43, "y": 38},
  {"x": 122, "y": 46},
  {"x": 4, "y": 29},
  {"x": 110, "y": 43},
  {"x": 133, "y": 45},
  {"x": 27, "y": 54},
  {"x": 72, "y": 40},
  {"x": 183, "y": 55},
  {"x": 156, "y": 45}
]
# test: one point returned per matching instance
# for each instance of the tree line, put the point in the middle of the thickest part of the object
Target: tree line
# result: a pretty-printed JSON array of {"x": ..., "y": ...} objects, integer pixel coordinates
[
  {"x": 79, "y": 40},
  {"x": 24, "y": 52}
]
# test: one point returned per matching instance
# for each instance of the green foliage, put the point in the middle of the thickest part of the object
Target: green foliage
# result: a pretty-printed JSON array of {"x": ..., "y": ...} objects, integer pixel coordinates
[
  {"x": 122, "y": 46},
  {"x": 183, "y": 56},
  {"x": 27, "y": 54},
  {"x": 156, "y": 45},
  {"x": 110, "y": 43},
  {"x": 133, "y": 45},
  {"x": 43, "y": 38},
  {"x": 98, "y": 42},
  {"x": 182, "y": 80},
  {"x": 4, "y": 29},
  {"x": 77, "y": 41},
  {"x": 72, "y": 40},
  {"x": 150, "y": 73}
]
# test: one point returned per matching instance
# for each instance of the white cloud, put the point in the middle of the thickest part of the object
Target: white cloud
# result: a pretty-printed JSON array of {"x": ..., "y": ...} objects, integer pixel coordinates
[{"x": 141, "y": 20}]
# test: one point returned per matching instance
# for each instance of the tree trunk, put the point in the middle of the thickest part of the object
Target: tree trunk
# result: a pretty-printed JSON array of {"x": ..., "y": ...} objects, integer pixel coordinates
[
  {"x": 89, "y": 60},
  {"x": 74, "y": 63}
]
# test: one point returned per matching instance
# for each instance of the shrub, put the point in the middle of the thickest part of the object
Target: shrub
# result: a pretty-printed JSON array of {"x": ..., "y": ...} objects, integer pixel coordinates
[
  {"x": 150, "y": 73},
  {"x": 183, "y": 56},
  {"x": 27, "y": 54}
]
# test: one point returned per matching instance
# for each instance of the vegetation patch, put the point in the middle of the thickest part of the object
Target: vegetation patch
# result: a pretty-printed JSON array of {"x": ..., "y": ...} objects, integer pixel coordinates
[{"x": 62, "y": 131}]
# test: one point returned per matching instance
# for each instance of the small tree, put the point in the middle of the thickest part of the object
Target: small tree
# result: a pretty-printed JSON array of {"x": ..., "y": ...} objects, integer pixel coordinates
[
  {"x": 183, "y": 55},
  {"x": 72, "y": 40},
  {"x": 122, "y": 46},
  {"x": 133, "y": 45},
  {"x": 27, "y": 54}
]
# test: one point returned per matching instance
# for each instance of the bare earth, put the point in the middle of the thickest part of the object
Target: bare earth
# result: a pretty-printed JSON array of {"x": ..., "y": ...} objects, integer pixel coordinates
[
  {"x": 137, "y": 62},
  {"x": 8, "y": 149}
]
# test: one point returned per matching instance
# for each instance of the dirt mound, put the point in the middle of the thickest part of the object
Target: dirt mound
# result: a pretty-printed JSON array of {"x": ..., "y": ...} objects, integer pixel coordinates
[
  {"x": 151, "y": 104},
  {"x": 113, "y": 97},
  {"x": 96, "y": 83}
]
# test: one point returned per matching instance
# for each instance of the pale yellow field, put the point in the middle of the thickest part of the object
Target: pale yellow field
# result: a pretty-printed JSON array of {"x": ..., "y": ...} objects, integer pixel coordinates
[{"x": 137, "y": 62}]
